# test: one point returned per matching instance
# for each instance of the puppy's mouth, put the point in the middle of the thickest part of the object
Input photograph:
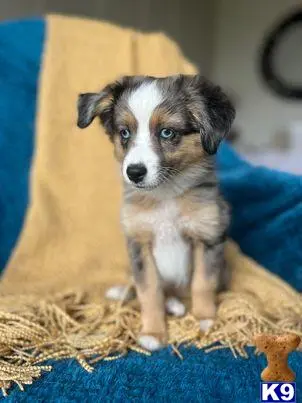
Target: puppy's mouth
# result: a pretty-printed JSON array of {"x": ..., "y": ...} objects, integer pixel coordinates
[{"x": 147, "y": 187}]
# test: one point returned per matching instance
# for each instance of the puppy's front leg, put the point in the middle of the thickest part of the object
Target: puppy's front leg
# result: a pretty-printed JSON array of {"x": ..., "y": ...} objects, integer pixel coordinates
[
  {"x": 209, "y": 275},
  {"x": 150, "y": 295}
]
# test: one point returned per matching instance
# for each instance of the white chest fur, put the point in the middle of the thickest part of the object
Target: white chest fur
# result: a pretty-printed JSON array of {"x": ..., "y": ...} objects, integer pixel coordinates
[{"x": 170, "y": 250}]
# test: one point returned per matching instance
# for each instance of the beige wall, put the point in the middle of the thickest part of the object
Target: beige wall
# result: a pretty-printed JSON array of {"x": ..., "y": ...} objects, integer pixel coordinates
[
  {"x": 221, "y": 36},
  {"x": 238, "y": 31},
  {"x": 188, "y": 22}
]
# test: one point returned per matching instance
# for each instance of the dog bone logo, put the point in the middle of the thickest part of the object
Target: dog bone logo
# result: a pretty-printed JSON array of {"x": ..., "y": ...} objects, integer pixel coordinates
[{"x": 276, "y": 349}]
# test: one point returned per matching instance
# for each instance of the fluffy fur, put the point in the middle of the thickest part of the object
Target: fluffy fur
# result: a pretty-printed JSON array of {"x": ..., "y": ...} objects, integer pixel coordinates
[{"x": 165, "y": 132}]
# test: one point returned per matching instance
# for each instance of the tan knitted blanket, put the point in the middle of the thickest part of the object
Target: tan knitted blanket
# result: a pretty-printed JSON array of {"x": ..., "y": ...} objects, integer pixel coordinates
[{"x": 72, "y": 247}]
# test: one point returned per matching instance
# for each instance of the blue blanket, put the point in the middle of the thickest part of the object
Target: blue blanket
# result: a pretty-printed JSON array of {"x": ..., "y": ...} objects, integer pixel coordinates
[
  {"x": 267, "y": 220},
  {"x": 266, "y": 214}
]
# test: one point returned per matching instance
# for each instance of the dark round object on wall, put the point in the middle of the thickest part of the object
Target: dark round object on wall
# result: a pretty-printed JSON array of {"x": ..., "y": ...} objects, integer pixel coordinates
[{"x": 281, "y": 86}]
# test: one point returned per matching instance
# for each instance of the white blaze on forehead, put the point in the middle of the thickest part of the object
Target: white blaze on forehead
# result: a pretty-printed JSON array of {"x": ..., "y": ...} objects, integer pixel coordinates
[{"x": 142, "y": 103}]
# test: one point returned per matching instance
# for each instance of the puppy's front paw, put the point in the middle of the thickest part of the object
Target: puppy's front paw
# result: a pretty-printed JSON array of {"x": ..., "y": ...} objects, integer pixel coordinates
[
  {"x": 150, "y": 343},
  {"x": 175, "y": 307}
]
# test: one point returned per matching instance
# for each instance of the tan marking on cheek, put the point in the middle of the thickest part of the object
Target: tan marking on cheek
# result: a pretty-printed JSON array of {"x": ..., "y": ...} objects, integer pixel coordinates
[
  {"x": 119, "y": 151},
  {"x": 187, "y": 153}
]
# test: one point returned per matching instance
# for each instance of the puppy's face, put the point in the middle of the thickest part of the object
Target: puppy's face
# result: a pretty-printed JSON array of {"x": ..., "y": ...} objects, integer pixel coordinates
[{"x": 161, "y": 127}]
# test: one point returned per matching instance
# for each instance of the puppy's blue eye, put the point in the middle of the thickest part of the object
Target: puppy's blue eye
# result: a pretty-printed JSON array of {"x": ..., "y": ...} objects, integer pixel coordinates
[
  {"x": 125, "y": 134},
  {"x": 166, "y": 134}
]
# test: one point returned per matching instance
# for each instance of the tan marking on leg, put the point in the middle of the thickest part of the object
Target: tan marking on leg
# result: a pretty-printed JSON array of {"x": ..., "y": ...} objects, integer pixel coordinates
[
  {"x": 203, "y": 288},
  {"x": 151, "y": 298}
]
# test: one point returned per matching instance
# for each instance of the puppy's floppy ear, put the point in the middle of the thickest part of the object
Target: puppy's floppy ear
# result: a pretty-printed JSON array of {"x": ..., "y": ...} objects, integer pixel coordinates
[
  {"x": 91, "y": 105},
  {"x": 216, "y": 113},
  {"x": 88, "y": 108}
]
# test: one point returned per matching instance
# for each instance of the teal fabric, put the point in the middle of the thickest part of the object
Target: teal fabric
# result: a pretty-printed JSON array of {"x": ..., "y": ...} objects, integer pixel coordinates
[
  {"x": 205, "y": 378},
  {"x": 266, "y": 214},
  {"x": 21, "y": 45},
  {"x": 267, "y": 220}
]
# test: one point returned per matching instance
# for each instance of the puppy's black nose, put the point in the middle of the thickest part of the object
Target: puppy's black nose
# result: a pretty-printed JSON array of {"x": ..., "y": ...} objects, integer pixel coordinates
[{"x": 136, "y": 172}]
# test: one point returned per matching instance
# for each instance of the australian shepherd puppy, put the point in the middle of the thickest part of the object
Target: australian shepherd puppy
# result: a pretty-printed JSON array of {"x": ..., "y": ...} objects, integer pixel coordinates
[{"x": 166, "y": 132}]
